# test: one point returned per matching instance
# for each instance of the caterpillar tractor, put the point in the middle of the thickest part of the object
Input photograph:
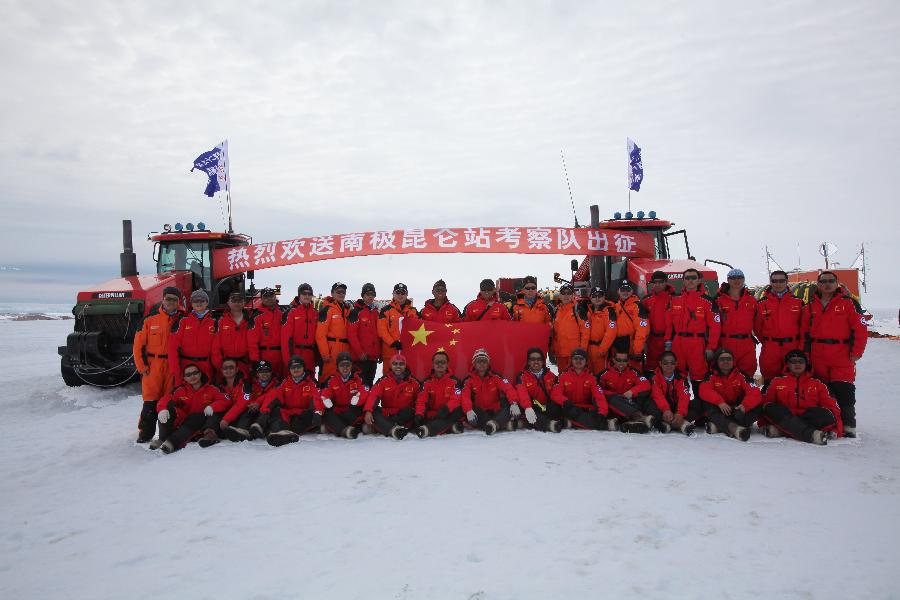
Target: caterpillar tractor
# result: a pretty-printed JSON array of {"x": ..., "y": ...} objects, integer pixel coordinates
[{"x": 99, "y": 351}]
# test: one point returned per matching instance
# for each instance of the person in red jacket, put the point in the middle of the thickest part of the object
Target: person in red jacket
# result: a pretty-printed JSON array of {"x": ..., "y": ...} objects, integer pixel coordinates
[
  {"x": 232, "y": 338},
  {"x": 186, "y": 409},
  {"x": 344, "y": 396},
  {"x": 835, "y": 332},
  {"x": 777, "y": 325},
  {"x": 625, "y": 390},
  {"x": 534, "y": 386},
  {"x": 389, "y": 324},
  {"x": 438, "y": 408},
  {"x": 244, "y": 412},
  {"x": 583, "y": 404},
  {"x": 487, "y": 306},
  {"x": 570, "y": 330},
  {"x": 298, "y": 330},
  {"x": 294, "y": 407},
  {"x": 439, "y": 309},
  {"x": 600, "y": 320},
  {"x": 799, "y": 405},
  {"x": 192, "y": 340},
  {"x": 656, "y": 303},
  {"x": 231, "y": 382},
  {"x": 264, "y": 337},
  {"x": 529, "y": 306},
  {"x": 632, "y": 325},
  {"x": 670, "y": 396},
  {"x": 487, "y": 398},
  {"x": 693, "y": 326},
  {"x": 737, "y": 311},
  {"x": 365, "y": 345},
  {"x": 332, "y": 333},
  {"x": 390, "y": 404},
  {"x": 733, "y": 402}
]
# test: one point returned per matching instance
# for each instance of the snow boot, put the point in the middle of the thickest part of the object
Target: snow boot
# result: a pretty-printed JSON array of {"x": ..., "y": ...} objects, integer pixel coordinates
[
  {"x": 256, "y": 431},
  {"x": 398, "y": 432},
  {"x": 209, "y": 439},
  {"x": 635, "y": 427},
  {"x": 167, "y": 447},
  {"x": 368, "y": 429},
  {"x": 554, "y": 426},
  {"x": 422, "y": 431},
  {"x": 741, "y": 433},
  {"x": 511, "y": 425},
  {"x": 849, "y": 432},
  {"x": 819, "y": 438},
  {"x": 663, "y": 427},
  {"x": 711, "y": 428},
  {"x": 280, "y": 438},
  {"x": 566, "y": 423},
  {"x": 687, "y": 428},
  {"x": 647, "y": 420},
  {"x": 236, "y": 434},
  {"x": 773, "y": 432},
  {"x": 350, "y": 432},
  {"x": 155, "y": 444},
  {"x": 143, "y": 440},
  {"x": 612, "y": 424},
  {"x": 457, "y": 428},
  {"x": 491, "y": 427}
]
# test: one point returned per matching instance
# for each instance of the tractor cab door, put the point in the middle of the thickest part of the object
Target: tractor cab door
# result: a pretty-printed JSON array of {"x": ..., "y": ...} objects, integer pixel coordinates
[
  {"x": 187, "y": 255},
  {"x": 222, "y": 288}
]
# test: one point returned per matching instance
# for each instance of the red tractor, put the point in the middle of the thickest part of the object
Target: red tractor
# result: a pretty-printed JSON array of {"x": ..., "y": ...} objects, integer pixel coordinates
[{"x": 99, "y": 351}]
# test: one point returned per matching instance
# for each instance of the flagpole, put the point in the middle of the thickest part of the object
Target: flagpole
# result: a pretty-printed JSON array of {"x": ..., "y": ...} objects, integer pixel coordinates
[
  {"x": 230, "y": 228},
  {"x": 629, "y": 199}
]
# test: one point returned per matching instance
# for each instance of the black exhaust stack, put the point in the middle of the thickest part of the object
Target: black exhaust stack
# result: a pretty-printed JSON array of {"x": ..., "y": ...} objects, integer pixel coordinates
[{"x": 127, "y": 259}]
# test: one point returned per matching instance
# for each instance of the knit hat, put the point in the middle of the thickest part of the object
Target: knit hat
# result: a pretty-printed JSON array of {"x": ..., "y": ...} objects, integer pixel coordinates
[
  {"x": 400, "y": 288},
  {"x": 199, "y": 295},
  {"x": 734, "y": 274},
  {"x": 486, "y": 285},
  {"x": 796, "y": 353},
  {"x": 337, "y": 285},
  {"x": 529, "y": 279},
  {"x": 343, "y": 357},
  {"x": 480, "y": 353},
  {"x": 304, "y": 287},
  {"x": 566, "y": 289},
  {"x": 440, "y": 283},
  {"x": 366, "y": 288},
  {"x": 172, "y": 290},
  {"x": 263, "y": 365},
  {"x": 398, "y": 358},
  {"x": 267, "y": 291},
  {"x": 579, "y": 352}
]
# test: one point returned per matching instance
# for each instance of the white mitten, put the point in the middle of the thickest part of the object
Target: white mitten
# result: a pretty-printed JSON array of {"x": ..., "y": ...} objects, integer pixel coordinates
[
  {"x": 163, "y": 416},
  {"x": 208, "y": 411},
  {"x": 530, "y": 415},
  {"x": 354, "y": 400},
  {"x": 471, "y": 416},
  {"x": 327, "y": 402},
  {"x": 515, "y": 411}
]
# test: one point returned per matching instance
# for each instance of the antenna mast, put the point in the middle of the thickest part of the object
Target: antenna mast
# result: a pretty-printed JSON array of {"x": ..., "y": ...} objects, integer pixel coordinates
[{"x": 569, "y": 185}]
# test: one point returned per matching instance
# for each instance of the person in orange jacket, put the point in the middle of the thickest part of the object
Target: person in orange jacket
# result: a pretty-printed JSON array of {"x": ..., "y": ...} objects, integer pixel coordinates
[
  {"x": 656, "y": 303},
  {"x": 835, "y": 332},
  {"x": 487, "y": 306},
  {"x": 632, "y": 325},
  {"x": 332, "y": 333},
  {"x": 737, "y": 310},
  {"x": 439, "y": 309},
  {"x": 600, "y": 319},
  {"x": 151, "y": 347},
  {"x": 365, "y": 344},
  {"x": 777, "y": 325},
  {"x": 389, "y": 324},
  {"x": 233, "y": 336},
  {"x": 529, "y": 306},
  {"x": 799, "y": 404},
  {"x": 570, "y": 330},
  {"x": 732, "y": 401},
  {"x": 264, "y": 337},
  {"x": 298, "y": 329},
  {"x": 192, "y": 339}
]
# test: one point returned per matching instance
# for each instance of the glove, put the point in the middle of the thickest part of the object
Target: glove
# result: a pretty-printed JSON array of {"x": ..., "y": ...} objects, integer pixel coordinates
[
  {"x": 208, "y": 411},
  {"x": 163, "y": 416},
  {"x": 419, "y": 420},
  {"x": 327, "y": 402},
  {"x": 530, "y": 415},
  {"x": 472, "y": 417},
  {"x": 668, "y": 344},
  {"x": 317, "y": 419},
  {"x": 515, "y": 411},
  {"x": 354, "y": 400},
  {"x": 397, "y": 346}
]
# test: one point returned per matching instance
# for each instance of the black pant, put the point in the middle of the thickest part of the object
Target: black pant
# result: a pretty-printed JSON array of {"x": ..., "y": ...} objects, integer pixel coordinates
[
  {"x": 622, "y": 406},
  {"x": 299, "y": 424},
  {"x": 367, "y": 370},
  {"x": 501, "y": 416},
  {"x": 246, "y": 419},
  {"x": 336, "y": 422},
  {"x": 845, "y": 394},
  {"x": 193, "y": 423},
  {"x": 645, "y": 403},
  {"x": 147, "y": 420},
  {"x": 384, "y": 423},
  {"x": 444, "y": 420},
  {"x": 799, "y": 427},
  {"x": 738, "y": 417},
  {"x": 546, "y": 413},
  {"x": 212, "y": 422},
  {"x": 585, "y": 419}
]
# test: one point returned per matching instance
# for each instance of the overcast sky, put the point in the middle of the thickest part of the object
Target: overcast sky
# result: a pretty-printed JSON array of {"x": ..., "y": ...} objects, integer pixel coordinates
[{"x": 761, "y": 123}]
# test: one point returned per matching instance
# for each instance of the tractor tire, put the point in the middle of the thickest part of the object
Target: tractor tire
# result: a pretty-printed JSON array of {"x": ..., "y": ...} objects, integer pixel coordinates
[{"x": 70, "y": 377}]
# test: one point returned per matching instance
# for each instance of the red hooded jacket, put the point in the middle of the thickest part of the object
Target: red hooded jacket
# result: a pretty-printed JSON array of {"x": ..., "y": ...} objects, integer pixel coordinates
[
  {"x": 837, "y": 331},
  {"x": 535, "y": 390},
  {"x": 582, "y": 390},
  {"x": 265, "y": 330},
  {"x": 447, "y": 313},
  {"x": 232, "y": 340},
  {"x": 188, "y": 401},
  {"x": 613, "y": 382},
  {"x": 802, "y": 393},
  {"x": 392, "y": 395},
  {"x": 778, "y": 319},
  {"x": 737, "y": 316},
  {"x": 656, "y": 306},
  {"x": 295, "y": 398},
  {"x": 298, "y": 331},
  {"x": 437, "y": 393},
  {"x": 732, "y": 389},
  {"x": 694, "y": 314},
  {"x": 250, "y": 392},
  {"x": 192, "y": 341},
  {"x": 340, "y": 392},
  {"x": 478, "y": 310}
]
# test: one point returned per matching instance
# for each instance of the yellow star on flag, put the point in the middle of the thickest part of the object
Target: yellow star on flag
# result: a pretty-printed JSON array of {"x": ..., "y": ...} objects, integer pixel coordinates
[
  {"x": 456, "y": 331},
  {"x": 420, "y": 335},
  {"x": 441, "y": 349},
  {"x": 452, "y": 342}
]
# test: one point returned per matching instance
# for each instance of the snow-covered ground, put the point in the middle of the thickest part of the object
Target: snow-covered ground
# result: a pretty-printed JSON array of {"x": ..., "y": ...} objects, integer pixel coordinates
[{"x": 88, "y": 514}]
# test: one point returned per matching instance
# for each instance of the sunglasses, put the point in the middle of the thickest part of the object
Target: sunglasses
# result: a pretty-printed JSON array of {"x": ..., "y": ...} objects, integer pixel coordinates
[
  {"x": 620, "y": 360},
  {"x": 306, "y": 293},
  {"x": 536, "y": 358},
  {"x": 401, "y": 293},
  {"x": 228, "y": 367},
  {"x": 657, "y": 281},
  {"x": 778, "y": 281},
  {"x": 530, "y": 287},
  {"x": 440, "y": 361},
  {"x": 668, "y": 363},
  {"x": 566, "y": 293},
  {"x": 690, "y": 277},
  {"x": 726, "y": 359},
  {"x": 828, "y": 281},
  {"x": 171, "y": 298},
  {"x": 797, "y": 361},
  {"x": 192, "y": 373}
]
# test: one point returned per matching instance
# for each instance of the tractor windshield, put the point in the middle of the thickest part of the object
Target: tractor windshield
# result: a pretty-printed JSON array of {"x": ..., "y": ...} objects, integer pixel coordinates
[{"x": 187, "y": 256}]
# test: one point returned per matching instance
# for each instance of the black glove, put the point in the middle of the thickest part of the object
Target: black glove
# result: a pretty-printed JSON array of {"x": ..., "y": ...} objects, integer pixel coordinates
[
  {"x": 397, "y": 346},
  {"x": 316, "y": 420},
  {"x": 419, "y": 420}
]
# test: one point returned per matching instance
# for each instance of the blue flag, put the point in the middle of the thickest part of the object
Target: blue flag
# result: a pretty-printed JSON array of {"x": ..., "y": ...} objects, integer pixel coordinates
[
  {"x": 215, "y": 164},
  {"x": 635, "y": 166}
]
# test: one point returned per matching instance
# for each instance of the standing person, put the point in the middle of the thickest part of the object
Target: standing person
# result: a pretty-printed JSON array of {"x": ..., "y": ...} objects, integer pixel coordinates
[
  {"x": 298, "y": 330},
  {"x": 389, "y": 324},
  {"x": 693, "y": 327},
  {"x": 534, "y": 386},
  {"x": 835, "y": 332},
  {"x": 365, "y": 345},
  {"x": 583, "y": 403},
  {"x": 264, "y": 337},
  {"x": 439, "y": 309},
  {"x": 737, "y": 311},
  {"x": 486, "y": 306},
  {"x": 777, "y": 325},
  {"x": 192, "y": 339},
  {"x": 626, "y": 390},
  {"x": 732, "y": 402},
  {"x": 331, "y": 333},
  {"x": 390, "y": 404},
  {"x": 344, "y": 396},
  {"x": 799, "y": 404},
  {"x": 294, "y": 407},
  {"x": 185, "y": 410},
  {"x": 529, "y": 306},
  {"x": 235, "y": 424},
  {"x": 600, "y": 319},
  {"x": 632, "y": 325},
  {"x": 487, "y": 398},
  {"x": 656, "y": 303},
  {"x": 670, "y": 397},
  {"x": 233, "y": 335},
  {"x": 438, "y": 408},
  {"x": 151, "y": 347},
  {"x": 570, "y": 330}
]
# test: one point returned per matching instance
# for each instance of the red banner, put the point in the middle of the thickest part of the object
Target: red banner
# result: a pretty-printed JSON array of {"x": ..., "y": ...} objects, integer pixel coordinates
[
  {"x": 509, "y": 240},
  {"x": 505, "y": 341}
]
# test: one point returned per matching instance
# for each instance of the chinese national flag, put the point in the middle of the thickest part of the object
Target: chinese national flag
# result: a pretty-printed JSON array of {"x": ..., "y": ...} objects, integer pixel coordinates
[{"x": 505, "y": 341}]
